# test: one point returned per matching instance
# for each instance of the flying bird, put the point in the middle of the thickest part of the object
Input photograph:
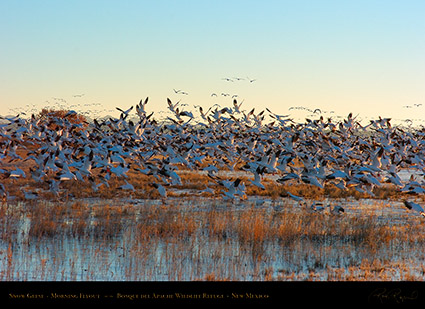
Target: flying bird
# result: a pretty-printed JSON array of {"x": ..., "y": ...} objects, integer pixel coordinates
[
  {"x": 227, "y": 79},
  {"x": 414, "y": 206},
  {"x": 337, "y": 210},
  {"x": 161, "y": 189}
]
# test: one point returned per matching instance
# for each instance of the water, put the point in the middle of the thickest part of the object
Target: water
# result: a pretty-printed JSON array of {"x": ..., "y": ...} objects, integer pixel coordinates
[{"x": 96, "y": 255}]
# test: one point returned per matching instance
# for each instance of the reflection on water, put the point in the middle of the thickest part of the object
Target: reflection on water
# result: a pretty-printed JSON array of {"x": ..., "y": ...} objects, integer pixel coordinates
[{"x": 100, "y": 254}]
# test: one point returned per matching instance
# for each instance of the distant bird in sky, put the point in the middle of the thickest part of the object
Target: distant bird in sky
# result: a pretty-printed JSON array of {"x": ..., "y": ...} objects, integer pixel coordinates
[
  {"x": 180, "y": 92},
  {"x": 251, "y": 80},
  {"x": 228, "y": 79},
  {"x": 414, "y": 105}
]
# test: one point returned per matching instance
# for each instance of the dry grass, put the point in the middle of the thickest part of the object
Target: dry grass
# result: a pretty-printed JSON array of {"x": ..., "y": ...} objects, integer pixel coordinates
[
  {"x": 192, "y": 181},
  {"x": 87, "y": 234},
  {"x": 182, "y": 241}
]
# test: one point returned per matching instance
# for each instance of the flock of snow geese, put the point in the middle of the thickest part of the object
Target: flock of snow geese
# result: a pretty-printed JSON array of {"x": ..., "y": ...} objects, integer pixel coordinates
[{"x": 317, "y": 152}]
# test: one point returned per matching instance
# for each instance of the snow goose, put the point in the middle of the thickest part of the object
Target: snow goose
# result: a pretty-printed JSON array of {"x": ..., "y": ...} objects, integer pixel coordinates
[
  {"x": 120, "y": 170},
  {"x": 294, "y": 197},
  {"x": 140, "y": 108},
  {"x": 30, "y": 195},
  {"x": 257, "y": 178},
  {"x": 161, "y": 189},
  {"x": 53, "y": 186},
  {"x": 317, "y": 207},
  {"x": 126, "y": 186},
  {"x": 3, "y": 193},
  {"x": 414, "y": 206},
  {"x": 336, "y": 210},
  {"x": 124, "y": 114},
  {"x": 232, "y": 190},
  {"x": 65, "y": 174},
  {"x": 16, "y": 173}
]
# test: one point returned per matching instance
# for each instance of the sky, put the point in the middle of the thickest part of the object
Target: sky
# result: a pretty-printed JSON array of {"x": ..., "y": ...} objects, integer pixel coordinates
[{"x": 363, "y": 56}]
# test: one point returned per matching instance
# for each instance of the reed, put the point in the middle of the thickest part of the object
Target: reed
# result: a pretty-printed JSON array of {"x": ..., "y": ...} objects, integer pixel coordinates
[
  {"x": 107, "y": 240},
  {"x": 191, "y": 180}
]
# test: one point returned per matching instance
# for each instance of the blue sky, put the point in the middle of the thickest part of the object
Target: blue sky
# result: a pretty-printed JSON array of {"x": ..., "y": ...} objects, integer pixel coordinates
[{"x": 365, "y": 57}]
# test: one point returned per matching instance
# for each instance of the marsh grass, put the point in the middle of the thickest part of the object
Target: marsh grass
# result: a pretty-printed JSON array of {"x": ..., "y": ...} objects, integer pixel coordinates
[
  {"x": 192, "y": 181},
  {"x": 78, "y": 240}
]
